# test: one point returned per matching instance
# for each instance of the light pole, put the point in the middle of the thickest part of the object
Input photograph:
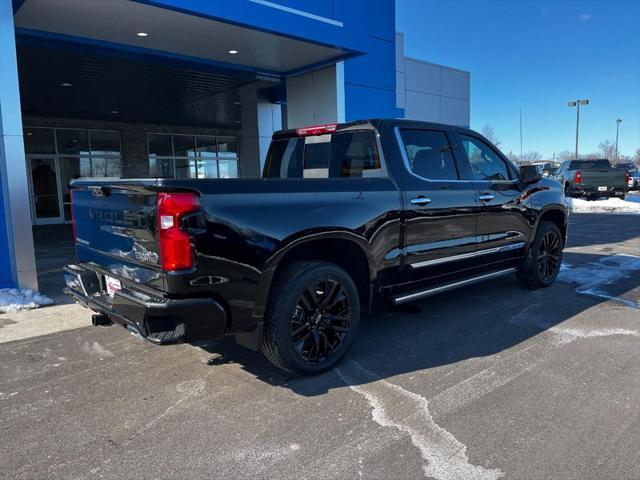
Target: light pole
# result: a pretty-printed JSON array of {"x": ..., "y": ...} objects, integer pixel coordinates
[
  {"x": 618, "y": 121},
  {"x": 577, "y": 104}
]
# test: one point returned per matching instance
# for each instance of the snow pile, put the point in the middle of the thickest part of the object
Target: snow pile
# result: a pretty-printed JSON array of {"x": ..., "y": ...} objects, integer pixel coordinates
[
  {"x": 13, "y": 300},
  {"x": 609, "y": 205}
]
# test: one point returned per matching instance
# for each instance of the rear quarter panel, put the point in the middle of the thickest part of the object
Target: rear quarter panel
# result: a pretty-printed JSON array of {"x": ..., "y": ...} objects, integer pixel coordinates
[{"x": 252, "y": 224}]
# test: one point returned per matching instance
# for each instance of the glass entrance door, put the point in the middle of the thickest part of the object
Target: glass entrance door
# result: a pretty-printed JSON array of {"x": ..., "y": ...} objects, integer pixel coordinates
[{"x": 45, "y": 187}]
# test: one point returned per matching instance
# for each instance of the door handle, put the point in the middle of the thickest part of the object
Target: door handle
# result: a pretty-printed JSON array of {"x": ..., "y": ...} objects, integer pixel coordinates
[
  {"x": 485, "y": 197},
  {"x": 421, "y": 200}
]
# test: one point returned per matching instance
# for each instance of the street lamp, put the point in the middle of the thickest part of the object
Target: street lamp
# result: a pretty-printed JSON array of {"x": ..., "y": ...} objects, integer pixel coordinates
[
  {"x": 618, "y": 121},
  {"x": 577, "y": 104}
]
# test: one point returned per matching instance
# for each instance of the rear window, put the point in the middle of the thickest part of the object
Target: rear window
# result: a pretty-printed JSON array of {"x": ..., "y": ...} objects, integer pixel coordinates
[
  {"x": 335, "y": 155},
  {"x": 586, "y": 165}
]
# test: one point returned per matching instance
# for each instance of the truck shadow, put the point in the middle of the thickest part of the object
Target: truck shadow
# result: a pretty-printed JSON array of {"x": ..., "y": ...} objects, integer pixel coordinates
[{"x": 474, "y": 322}]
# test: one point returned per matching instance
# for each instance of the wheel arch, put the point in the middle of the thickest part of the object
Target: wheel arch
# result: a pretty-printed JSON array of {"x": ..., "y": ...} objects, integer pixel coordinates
[
  {"x": 556, "y": 214},
  {"x": 345, "y": 249}
]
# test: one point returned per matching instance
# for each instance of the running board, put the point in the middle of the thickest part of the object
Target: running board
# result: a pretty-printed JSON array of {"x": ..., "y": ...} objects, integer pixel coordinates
[{"x": 418, "y": 294}]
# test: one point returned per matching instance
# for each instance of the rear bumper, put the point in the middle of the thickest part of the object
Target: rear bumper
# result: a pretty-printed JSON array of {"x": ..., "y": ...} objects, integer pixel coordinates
[
  {"x": 593, "y": 190},
  {"x": 154, "y": 317}
]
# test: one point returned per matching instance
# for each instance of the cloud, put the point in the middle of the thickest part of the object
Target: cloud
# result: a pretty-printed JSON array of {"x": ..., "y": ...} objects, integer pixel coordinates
[{"x": 585, "y": 17}]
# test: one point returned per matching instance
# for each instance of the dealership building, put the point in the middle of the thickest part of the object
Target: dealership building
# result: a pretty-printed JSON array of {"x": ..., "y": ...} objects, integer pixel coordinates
[{"x": 186, "y": 89}]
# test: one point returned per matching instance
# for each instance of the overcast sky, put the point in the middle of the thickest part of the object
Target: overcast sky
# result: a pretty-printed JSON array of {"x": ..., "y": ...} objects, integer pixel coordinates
[{"x": 537, "y": 55}]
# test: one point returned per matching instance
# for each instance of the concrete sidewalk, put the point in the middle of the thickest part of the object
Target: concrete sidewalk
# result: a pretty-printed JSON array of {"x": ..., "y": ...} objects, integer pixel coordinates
[{"x": 42, "y": 321}]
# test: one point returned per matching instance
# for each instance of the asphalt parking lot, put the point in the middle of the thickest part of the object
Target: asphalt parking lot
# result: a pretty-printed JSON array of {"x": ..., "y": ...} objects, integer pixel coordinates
[{"x": 487, "y": 382}]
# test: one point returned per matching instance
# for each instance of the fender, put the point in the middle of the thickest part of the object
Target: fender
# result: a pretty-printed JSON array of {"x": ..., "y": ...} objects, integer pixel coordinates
[{"x": 289, "y": 244}]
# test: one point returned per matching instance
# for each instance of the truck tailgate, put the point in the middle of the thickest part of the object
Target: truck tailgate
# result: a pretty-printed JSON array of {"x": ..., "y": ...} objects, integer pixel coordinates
[
  {"x": 116, "y": 229},
  {"x": 608, "y": 178}
]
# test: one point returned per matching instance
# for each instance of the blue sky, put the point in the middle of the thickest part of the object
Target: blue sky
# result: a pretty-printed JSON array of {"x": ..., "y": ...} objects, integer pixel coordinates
[{"x": 537, "y": 55}]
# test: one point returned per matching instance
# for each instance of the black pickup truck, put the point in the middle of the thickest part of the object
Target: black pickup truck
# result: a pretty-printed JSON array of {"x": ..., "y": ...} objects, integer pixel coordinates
[{"x": 346, "y": 217}]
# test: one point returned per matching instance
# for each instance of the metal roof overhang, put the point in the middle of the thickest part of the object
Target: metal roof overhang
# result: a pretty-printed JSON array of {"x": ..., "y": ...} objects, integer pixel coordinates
[{"x": 181, "y": 66}]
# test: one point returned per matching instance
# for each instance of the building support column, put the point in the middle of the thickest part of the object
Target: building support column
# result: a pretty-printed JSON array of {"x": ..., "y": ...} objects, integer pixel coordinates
[
  {"x": 316, "y": 97},
  {"x": 20, "y": 257},
  {"x": 260, "y": 118}
]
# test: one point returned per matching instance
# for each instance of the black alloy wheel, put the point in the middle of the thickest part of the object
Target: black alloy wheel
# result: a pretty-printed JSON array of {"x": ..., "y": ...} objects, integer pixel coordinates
[
  {"x": 312, "y": 317},
  {"x": 321, "y": 320},
  {"x": 549, "y": 256},
  {"x": 542, "y": 264}
]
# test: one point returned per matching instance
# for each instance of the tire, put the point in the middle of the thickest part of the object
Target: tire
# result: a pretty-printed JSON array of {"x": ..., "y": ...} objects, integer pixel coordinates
[
  {"x": 306, "y": 332},
  {"x": 622, "y": 197},
  {"x": 542, "y": 264}
]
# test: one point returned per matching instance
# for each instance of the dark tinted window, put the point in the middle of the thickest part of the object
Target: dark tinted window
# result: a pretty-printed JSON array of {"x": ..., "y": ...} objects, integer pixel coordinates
[
  {"x": 39, "y": 140},
  {"x": 485, "y": 163},
  {"x": 206, "y": 146},
  {"x": 587, "y": 164},
  {"x": 104, "y": 142},
  {"x": 227, "y": 147},
  {"x": 184, "y": 146},
  {"x": 160, "y": 144},
  {"x": 348, "y": 154},
  {"x": 72, "y": 142},
  {"x": 429, "y": 154}
]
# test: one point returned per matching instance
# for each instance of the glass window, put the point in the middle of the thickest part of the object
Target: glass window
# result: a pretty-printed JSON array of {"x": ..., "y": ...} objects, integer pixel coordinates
[
  {"x": 39, "y": 140},
  {"x": 184, "y": 146},
  {"x": 185, "y": 168},
  {"x": 228, "y": 168},
  {"x": 72, "y": 141},
  {"x": 206, "y": 146},
  {"x": 429, "y": 154},
  {"x": 227, "y": 147},
  {"x": 345, "y": 154},
  {"x": 484, "y": 161},
  {"x": 104, "y": 142},
  {"x": 160, "y": 144},
  {"x": 207, "y": 168},
  {"x": 161, "y": 167},
  {"x": 284, "y": 159}
]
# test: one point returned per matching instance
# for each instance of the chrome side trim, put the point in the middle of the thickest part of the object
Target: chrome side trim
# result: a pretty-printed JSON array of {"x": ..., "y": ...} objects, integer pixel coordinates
[
  {"x": 463, "y": 256},
  {"x": 450, "y": 286}
]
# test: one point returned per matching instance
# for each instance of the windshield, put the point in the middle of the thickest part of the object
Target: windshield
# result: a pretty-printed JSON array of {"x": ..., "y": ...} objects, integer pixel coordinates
[{"x": 589, "y": 164}]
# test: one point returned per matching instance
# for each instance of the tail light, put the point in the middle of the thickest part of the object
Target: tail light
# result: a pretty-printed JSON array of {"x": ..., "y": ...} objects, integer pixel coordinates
[
  {"x": 578, "y": 177},
  {"x": 176, "y": 250},
  {"x": 627, "y": 177},
  {"x": 317, "y": 130},
  {"x": 73, "y": 220}
]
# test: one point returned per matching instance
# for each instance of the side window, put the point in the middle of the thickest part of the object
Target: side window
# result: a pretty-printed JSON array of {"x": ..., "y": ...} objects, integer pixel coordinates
[
  {"x": 484, "y": 161},
  {"x": 429, "y": 154},
  {"x": 334, "y": 155}
]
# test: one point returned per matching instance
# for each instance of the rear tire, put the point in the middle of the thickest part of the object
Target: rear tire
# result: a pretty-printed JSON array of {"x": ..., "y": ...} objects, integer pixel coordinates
[
  {"x": 542, "y": 265},
  {"x": 311, "y": 319}
]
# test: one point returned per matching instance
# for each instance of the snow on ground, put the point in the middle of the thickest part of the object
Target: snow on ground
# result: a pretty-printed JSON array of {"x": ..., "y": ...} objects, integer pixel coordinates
[
  {"x": 13, "y": 300},
  {"x": 609, "y": 205},
  {"x": 594, "y": 277}
]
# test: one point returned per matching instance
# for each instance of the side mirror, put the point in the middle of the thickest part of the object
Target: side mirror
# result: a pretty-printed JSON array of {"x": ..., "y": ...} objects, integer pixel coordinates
[{"x": 529, "y": 174}]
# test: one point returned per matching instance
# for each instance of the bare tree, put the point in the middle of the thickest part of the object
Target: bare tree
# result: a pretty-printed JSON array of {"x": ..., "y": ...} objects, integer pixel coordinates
[
  {"x": 490, "y": 134},
  {"x": 636, "y": 157},
  {"x": 530, "y": 157},
  {"x": 607, "y": 149},
  {"x": 565, "y": 155}
]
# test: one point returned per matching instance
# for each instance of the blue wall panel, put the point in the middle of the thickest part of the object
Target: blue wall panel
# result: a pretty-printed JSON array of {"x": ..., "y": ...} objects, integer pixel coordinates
[{"x": 5, "y": 265}]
